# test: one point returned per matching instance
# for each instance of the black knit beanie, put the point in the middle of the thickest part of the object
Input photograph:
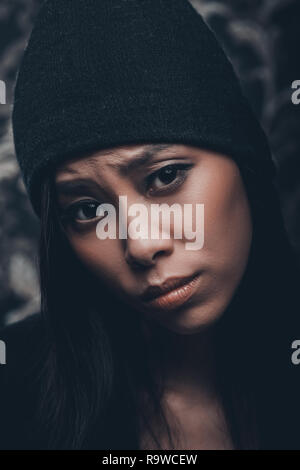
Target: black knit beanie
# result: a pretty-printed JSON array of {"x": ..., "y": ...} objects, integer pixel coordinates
[{"x": 102, "y": 73}]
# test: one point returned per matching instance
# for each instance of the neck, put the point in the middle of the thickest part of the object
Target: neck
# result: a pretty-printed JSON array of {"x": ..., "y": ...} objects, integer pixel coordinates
[{"x": 184, "y": 363}]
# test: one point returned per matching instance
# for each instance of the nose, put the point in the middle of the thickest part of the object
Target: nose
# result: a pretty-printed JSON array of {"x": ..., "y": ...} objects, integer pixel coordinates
[{"x": 145, "y": 252}]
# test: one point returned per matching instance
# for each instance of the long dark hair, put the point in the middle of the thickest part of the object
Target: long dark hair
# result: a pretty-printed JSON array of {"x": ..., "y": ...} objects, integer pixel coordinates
[{"x": 97, "y": 366}]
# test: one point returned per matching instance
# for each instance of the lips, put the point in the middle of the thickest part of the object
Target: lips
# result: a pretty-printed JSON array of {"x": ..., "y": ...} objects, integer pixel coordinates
[{"x": 172, "y": 293}]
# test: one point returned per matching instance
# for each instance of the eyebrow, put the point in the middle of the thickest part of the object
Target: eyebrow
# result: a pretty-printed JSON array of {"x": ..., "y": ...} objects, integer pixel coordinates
[
  {"x": 77, "y": 186},
  {"x": 139, "y": 160}
]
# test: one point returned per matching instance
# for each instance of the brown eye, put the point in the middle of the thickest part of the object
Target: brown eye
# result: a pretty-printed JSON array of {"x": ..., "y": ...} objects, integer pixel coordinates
[
  {"x": 86, "y": 211},
  {"x": 81, "y": 211},
  {"x": 168, "y": 177}
]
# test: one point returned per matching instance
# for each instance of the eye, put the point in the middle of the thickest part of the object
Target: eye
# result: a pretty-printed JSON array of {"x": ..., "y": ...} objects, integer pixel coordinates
[
  {"x": 81, "y": 211},
  {"x": 167, "y": 178}
]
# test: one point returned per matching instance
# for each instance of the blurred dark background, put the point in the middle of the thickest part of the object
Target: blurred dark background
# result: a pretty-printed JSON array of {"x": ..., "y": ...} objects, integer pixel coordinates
[{"x": 261, "y": 38}]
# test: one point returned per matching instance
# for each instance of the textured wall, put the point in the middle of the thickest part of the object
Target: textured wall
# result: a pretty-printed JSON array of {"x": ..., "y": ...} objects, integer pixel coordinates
[
  {"x": 18, "y": 226},
  {"x": 260, "y": 37}
]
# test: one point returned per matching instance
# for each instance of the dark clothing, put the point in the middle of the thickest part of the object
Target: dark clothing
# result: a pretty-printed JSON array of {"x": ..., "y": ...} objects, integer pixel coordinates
[
  {"x": 19, "y": 386},
  {"x": 103, "y": 73}
]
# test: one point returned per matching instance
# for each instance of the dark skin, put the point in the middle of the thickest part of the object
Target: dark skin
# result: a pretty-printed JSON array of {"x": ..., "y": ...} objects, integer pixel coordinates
[{"x": 190, "y": 392}]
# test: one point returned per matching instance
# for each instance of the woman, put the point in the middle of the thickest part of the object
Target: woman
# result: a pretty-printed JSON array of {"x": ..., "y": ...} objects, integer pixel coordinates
[{"x": 142, "y": 343}]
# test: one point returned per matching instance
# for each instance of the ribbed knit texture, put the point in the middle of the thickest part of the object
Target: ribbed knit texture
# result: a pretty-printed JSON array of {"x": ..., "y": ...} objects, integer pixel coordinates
[{"x": 102, "y": 73}]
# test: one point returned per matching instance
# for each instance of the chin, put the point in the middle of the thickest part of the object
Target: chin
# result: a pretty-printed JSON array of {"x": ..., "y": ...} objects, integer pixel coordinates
[{"x": 193, "y": 320}]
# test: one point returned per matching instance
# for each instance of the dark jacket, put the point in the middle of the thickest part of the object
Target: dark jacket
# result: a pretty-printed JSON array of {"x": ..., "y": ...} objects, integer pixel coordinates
[
  {"x": 20, "y": 388},
  {"x": 19, "y": 384}
]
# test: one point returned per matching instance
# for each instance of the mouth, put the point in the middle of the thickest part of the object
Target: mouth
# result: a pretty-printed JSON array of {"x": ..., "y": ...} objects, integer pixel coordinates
[{"x": 172, "y": 293}]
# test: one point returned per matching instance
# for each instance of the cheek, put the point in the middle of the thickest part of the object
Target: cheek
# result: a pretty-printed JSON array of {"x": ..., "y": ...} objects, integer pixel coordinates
[
  {"x": 101, "y": 257},
  {"x": 228, "y": 225}
]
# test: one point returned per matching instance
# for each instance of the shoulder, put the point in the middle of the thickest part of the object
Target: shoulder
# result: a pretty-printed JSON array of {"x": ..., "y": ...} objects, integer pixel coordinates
[{"x": 23, "y": 345}]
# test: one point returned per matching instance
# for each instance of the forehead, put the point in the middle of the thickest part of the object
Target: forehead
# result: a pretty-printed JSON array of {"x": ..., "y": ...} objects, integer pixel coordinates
[{"x": 123, "y": 157}]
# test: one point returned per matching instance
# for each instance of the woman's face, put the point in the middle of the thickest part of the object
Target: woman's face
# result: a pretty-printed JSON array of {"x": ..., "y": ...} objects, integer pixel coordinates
[{"x": 206, "y": 278}]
